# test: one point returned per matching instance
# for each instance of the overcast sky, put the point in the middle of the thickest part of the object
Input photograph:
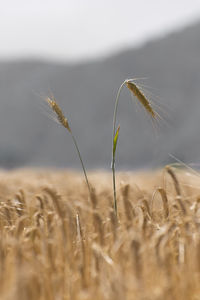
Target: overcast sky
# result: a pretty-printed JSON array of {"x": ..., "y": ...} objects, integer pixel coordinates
[{"x": 82, "y": 29}]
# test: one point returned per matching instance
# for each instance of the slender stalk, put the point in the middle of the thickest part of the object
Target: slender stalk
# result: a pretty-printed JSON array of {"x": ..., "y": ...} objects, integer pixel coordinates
[
  {"x": 115, "y": 110},
  {"x": 64, "y": 122},
  {"x": 113, "y": 152},
  {"x": 79, "y": 154},
  {"x": 135, "y": 90},
  {"x": 114, "y": 189}
]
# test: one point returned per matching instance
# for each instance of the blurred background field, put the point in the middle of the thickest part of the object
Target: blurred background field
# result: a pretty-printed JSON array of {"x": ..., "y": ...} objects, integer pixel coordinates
[{"x": 81, "y": 53}]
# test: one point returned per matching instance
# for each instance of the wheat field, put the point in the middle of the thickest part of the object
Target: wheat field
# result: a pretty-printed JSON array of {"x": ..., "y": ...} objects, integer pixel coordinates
[{"x": 57, "y": 242}]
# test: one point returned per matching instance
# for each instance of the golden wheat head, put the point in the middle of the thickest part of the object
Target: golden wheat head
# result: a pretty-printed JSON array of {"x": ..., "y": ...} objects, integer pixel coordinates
[
  {"x": 141, "y": 97},
  {"x": 59, "y": 114}
]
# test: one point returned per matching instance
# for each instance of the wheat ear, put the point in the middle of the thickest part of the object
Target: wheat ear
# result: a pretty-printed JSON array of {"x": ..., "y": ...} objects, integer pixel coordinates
[
  {"x": 141, "y": 97},
  {"x": 64, "y": 122}
]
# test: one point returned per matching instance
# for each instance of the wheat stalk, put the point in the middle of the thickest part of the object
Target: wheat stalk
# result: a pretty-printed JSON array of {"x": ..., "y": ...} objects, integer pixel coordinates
[
  {"x": 135, "y": 91},
  {"x": 64, "y": 122}
]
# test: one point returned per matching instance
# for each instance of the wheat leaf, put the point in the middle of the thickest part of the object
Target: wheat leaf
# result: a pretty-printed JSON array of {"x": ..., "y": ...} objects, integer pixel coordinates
[{"x": 115, "y": 141}]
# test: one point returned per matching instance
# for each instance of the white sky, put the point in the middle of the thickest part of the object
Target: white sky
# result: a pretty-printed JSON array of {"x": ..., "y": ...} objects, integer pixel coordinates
[{"x": 81, "y": 29}]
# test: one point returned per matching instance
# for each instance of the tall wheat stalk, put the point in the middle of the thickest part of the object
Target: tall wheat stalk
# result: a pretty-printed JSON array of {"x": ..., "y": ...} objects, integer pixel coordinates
[
  {"x": 64, "y": 122},
  {"x": 135, "y": 91}
]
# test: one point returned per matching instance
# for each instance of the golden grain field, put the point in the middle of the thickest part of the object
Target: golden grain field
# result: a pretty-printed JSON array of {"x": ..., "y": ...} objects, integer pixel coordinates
[{"x": 57, "y": 243}]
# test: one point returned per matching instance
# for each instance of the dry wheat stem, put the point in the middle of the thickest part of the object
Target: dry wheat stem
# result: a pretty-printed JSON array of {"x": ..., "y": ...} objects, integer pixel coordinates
[{"x": 64, "y": 122}]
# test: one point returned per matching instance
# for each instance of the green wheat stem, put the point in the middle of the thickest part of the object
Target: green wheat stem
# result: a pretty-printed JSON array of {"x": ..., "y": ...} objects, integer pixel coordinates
[
  {"x": 135, "y": 91},
  {"x": 113, "y": 152},
  {"x": 114, "y": 188}
]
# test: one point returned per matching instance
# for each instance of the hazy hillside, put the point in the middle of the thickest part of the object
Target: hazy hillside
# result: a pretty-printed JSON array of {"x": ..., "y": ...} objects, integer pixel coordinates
[{"x": 87, "y": 91}]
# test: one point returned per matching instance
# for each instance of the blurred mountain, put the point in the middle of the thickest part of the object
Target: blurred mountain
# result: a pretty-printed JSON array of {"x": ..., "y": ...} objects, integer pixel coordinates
[{"x": 86, "y": 92}]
